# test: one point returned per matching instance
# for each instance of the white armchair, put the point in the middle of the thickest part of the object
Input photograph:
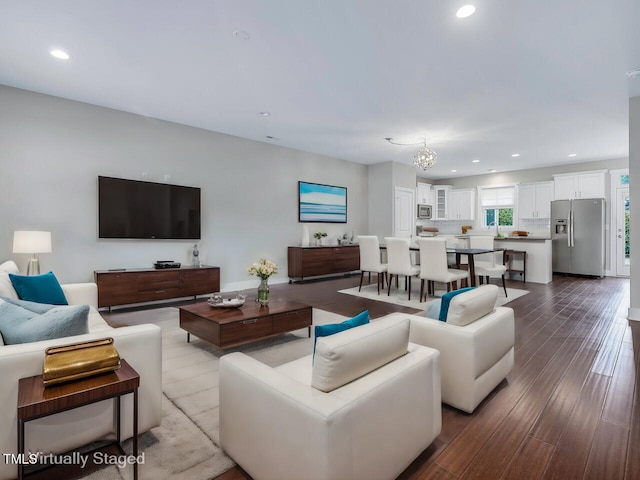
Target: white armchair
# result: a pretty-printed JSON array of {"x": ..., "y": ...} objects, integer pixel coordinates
[
  {"x": 276, "y": 424},
  {"x": 475, "y": 344}
]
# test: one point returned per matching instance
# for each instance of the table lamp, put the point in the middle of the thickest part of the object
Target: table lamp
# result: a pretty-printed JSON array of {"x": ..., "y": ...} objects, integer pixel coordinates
[{"x": 32, "y": 242}]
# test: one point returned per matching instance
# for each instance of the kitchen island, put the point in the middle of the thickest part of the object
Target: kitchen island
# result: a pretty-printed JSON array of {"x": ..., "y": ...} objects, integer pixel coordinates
[{"x": 538, "y": 256}]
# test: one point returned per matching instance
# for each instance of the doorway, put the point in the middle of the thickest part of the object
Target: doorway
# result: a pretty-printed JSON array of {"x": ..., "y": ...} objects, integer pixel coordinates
[{"x": 623, "y": 253}]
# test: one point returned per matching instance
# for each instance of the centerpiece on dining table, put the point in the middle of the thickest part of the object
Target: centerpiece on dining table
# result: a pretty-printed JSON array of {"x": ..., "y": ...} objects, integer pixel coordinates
[{"x": 263, "y": 268}]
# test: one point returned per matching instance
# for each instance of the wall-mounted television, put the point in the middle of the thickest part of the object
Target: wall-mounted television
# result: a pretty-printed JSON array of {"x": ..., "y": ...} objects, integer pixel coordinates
[
  {"x": 321, "y": 203},
  {"x": 147, "y": 210}
]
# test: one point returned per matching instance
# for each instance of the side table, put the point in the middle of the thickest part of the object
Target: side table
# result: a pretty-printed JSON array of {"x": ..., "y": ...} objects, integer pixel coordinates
[{"x": 36, "y": 401}]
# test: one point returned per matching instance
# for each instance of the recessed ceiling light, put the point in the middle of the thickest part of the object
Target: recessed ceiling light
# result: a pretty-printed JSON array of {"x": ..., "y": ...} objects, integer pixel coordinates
[
  {"x": 242, "y": 34},
  {"x": 515, "y": 154},
  {"x": 61, "y": 54},
  {"x": 573, "y": 154},
  {"x": 493, "y": 170},
  {"x": 465, "y": 11},
  {"x": 454, "y": 170},
  {"x": 475, "y": 161},
  {"x": 271, "y": 137},
  {"x": 264, "y": 114}
]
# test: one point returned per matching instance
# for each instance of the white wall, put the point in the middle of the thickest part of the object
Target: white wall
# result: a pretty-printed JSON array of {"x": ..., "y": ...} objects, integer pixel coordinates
[
  {"x": 634, "y": 195},
  {"x": 52, "y": 151}
]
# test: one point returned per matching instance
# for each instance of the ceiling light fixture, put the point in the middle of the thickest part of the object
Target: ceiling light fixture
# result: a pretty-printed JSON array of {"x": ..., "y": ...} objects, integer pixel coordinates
[
  {"x": 475, "y": 161},
  {"x": 573, "y": 154},
  {"x": 60, "y": 54},
  {"x": 264, "y": 114},
  {"x": 493, "y": 170},
  {"x": 424, "y": 158},
  {"x": 465, "y": 11},
  {"x": 515, "y": 154},
  {"x": 634, "y": 73}
]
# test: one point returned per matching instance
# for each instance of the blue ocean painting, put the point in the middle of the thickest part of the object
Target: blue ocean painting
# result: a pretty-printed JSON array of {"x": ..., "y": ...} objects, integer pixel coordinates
[{"x": 322, "y": 203}]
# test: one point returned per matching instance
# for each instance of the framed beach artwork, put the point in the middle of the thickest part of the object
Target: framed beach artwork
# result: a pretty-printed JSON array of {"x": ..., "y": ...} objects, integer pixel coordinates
[{"x": 321, "y": 203}]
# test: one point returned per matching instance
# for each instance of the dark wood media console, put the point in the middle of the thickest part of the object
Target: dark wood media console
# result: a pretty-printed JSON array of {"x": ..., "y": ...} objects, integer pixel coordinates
[
  {"x": 315, "y": 261},
  {"x": 122, "y": 287}
]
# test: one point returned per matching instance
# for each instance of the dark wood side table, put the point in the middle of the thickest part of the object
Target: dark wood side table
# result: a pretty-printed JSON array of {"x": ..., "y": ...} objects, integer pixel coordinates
[{"x": 36, "y": 401}]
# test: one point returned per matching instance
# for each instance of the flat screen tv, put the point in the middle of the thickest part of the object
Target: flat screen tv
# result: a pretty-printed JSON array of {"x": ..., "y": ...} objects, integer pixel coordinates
[{"x": 147, "y": 210}]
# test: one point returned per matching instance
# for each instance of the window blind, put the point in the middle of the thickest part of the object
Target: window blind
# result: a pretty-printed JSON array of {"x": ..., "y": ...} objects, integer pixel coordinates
[{"x": 497, "y": 197}]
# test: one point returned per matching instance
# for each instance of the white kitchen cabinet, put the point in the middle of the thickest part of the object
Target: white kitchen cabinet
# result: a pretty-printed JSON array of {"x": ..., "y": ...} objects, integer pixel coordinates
[
  {"x": 580, "y": 185},
  {"x": 534, "y": 200},
  {"x": 424, "y": 195},
  {"x": 441, "y": 201},
  {"x": 462, "y": 204}
]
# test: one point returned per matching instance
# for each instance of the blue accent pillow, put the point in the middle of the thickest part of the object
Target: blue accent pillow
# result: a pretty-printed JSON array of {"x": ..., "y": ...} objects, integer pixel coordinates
[
  {"x": 331, "y": 328},
  {"x": 446, "y": 300},
  {"x": 39, "y": 288},
  {"x": 19, "y": 324}
]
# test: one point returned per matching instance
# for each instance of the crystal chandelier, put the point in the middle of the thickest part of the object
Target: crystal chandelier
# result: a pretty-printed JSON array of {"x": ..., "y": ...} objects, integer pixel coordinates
[{"x": 425, "y": 157}]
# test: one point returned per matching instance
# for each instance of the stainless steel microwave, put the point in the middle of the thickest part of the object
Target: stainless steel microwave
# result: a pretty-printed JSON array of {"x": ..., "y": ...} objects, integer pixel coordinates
[{"x": 424, "y": 211}]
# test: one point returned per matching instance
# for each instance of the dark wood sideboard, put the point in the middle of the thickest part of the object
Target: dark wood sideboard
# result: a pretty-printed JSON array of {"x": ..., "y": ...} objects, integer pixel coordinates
[
  {"x": 126, "y": 286},
  {"x": 315, "y": 261}
]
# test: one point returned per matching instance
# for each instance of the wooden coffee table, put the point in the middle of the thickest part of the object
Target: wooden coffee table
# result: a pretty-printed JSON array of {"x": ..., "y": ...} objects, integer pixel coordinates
[{"x": 229, "y": 327}]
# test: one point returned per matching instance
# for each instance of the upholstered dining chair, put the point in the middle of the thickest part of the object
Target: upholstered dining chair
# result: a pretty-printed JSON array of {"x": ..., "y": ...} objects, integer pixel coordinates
[
  {"x": 488, "y": 265},
  {"x": 399, "y": 262},
  {"x": 434, "y": 266},
  {"x": 370, "y": 259}
]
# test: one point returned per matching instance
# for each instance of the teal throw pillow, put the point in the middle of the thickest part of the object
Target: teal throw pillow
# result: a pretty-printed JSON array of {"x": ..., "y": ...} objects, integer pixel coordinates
[
  {"x": 39, "y": 288},
  {"x": 446, "y": 300},
  {"x": 331, "y": 328},
  {"x": 21, "y": 325}
]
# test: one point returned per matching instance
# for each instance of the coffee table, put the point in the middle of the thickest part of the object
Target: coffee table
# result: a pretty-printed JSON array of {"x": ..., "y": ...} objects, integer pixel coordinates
[{"x": 229, "y": 327}]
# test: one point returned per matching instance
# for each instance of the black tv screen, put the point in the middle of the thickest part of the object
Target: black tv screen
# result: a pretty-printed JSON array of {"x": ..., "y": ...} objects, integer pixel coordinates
[{"x": 136, "y": 209}]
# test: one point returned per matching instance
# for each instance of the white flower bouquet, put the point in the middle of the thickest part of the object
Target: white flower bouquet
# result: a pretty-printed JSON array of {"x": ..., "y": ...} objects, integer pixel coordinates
[{"x": 263, "y": 268}]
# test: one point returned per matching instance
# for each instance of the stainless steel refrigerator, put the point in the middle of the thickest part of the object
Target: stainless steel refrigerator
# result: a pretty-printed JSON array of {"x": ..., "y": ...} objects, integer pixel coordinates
[{"x": 578, "y": 236}]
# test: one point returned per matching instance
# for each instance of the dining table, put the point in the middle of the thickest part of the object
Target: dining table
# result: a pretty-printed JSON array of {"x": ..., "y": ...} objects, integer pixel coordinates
[{"x": 469, "y": 252}]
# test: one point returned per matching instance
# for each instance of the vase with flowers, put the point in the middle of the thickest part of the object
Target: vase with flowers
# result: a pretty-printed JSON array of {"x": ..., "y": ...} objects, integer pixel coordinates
[
  {"x": 263, "y": 268},
  {"x": 319, "y": 236}
]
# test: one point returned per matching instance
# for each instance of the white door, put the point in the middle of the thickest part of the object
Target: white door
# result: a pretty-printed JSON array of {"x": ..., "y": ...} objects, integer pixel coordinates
[
  {"x": 623, "y": 259},
  {"x": 404, "y": 218}
]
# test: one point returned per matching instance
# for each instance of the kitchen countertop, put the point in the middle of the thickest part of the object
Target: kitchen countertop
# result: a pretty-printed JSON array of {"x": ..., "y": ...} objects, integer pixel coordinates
[{"x": 530, "y": 237}]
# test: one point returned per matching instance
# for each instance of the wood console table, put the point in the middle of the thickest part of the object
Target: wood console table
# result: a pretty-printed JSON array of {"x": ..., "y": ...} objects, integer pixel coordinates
[
  {"x": 36, "y": 401},
  {"x": 121, "y": 287},
  {"x": 314, "y": 261}
]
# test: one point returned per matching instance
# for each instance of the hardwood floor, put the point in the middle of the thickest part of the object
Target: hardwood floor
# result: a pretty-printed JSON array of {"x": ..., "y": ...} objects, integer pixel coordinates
[{"x": 570, "y": 409}]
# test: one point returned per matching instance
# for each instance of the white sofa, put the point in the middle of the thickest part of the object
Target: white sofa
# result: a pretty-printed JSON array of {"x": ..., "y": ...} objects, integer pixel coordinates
[
  {"x": 281, "y": 423},
  {"x": 140, "y": 345},
  {"x": 475, "y": 345}
]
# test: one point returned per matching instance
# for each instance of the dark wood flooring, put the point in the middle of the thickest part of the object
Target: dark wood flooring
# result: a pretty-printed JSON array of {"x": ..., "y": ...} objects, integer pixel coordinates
[{"x": 570, "y": 409}]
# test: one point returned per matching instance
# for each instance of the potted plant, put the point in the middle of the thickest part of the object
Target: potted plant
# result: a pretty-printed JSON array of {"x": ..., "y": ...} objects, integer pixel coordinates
[{"x": 319, "y": 236}]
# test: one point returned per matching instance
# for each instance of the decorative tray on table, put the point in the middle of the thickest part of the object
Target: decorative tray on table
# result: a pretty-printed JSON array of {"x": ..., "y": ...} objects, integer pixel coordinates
[{"x": 226, "y": 300}]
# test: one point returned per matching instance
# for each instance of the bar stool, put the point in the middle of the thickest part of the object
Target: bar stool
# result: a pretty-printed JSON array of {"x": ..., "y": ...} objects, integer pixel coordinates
[{"x": 511, "y": 254}]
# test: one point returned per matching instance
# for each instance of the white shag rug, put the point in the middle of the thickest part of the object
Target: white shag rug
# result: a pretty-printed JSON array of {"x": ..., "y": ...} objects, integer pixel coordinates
[
  {"x": 187, "y": 444},
  {"x": 398, "y": 296}
]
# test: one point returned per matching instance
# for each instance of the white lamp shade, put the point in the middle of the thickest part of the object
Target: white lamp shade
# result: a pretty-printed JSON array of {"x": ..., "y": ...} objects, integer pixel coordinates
[{"x": 31, "y": 242}]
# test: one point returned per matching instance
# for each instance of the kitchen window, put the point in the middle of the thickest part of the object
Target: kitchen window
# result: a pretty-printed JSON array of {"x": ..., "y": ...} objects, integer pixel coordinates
[{"x": 497, "y": 205}]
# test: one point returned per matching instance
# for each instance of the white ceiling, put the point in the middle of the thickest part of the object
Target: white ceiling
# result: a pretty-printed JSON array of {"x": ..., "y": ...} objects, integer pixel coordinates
[{"x": 543, "y": 78}]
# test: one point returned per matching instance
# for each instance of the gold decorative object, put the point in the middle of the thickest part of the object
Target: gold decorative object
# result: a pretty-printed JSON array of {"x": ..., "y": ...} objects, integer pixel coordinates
[
  {"x": 79, "y": 360},
  {"x": 464, "y": 228}
]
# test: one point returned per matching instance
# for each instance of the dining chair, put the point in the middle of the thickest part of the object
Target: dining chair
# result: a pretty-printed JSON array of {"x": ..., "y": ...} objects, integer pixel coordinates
[
  {"x": 399, "y": 262},
  {"x": 488, "y": 265},
  {"x": 434, "y": 266},
  {"x": 369, "y": 246}
]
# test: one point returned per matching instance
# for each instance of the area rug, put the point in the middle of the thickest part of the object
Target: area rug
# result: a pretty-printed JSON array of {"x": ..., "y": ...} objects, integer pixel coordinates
[
  {"x": 398, "y": 296},
  {"x": 187, "y": 444}
]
